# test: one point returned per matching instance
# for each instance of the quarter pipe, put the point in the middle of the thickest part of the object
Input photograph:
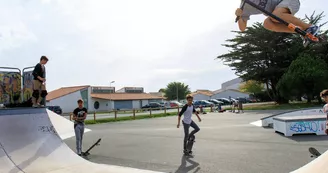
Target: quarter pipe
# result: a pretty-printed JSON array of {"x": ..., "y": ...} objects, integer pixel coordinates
[{"x": 30, "y": 143}]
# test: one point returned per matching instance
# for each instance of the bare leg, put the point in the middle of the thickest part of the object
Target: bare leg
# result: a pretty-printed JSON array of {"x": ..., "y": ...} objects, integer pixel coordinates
[{"x": 284, "y": 13}]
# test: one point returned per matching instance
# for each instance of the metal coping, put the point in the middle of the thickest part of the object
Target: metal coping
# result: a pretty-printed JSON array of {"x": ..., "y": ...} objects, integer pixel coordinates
[
  {"x": 21, "y": 111},
  {"x": 304, "y": 109}
]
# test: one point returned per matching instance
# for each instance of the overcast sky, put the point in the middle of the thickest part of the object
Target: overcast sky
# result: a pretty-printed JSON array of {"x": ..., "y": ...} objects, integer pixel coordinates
[{"x": 146, "y": 43}]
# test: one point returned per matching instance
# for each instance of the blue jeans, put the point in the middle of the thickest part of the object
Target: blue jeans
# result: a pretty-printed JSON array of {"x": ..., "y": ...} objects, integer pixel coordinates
[
  {"x": 186, "y": 131},
  {"x": 79, "y": 130}
]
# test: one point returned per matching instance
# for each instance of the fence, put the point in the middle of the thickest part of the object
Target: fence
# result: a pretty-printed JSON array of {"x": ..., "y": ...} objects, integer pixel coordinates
[{"x": 132, "y": 114}]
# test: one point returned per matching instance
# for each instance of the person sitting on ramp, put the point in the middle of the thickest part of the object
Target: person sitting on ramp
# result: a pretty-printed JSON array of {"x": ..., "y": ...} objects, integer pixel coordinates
[
  {"x": 79, "y": 115},
  {"x": 188, "y": 109},
  {"x": 284, "y": 9}
]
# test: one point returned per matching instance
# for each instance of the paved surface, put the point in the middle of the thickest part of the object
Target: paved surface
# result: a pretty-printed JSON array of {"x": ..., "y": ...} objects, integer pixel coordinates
[
  {"x": 121, "y": 114},
  {"x": 226, "y": 143}
]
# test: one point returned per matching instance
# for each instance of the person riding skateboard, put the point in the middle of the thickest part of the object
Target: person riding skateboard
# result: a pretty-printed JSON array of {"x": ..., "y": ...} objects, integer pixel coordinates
[
  {"x": 79, "y": 115},
  {"x": 39, "y": 86},
  {"x": 284, "y": 9},
  {"x": 187, "y": 110}
]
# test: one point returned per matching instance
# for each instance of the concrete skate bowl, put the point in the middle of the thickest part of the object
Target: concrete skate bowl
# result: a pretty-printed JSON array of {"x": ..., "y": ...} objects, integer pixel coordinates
[{"x": 30, "y": 143}]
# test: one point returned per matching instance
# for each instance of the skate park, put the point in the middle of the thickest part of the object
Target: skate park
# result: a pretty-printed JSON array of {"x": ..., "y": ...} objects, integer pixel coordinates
[
  {"x": 227, "y": 142},
  {"x": 39, "y": 140},
  {"x": 149, "y": 44}
]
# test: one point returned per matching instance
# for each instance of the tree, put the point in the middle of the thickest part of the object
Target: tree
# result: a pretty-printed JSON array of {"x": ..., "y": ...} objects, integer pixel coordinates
[
  {"x": 306, "y": 75},
  {"x": 252, "y": 86},
  {"x": 264, "y": 56},
  {"x": 162, "y": 90},
  {"x": 176, "y": 90}
]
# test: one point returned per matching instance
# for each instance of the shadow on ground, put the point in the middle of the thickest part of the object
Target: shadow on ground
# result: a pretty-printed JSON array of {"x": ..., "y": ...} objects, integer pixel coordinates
[{"x": 184, "y": 168}]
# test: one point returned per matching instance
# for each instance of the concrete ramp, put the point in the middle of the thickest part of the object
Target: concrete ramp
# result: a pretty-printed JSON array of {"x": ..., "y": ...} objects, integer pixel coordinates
[
  {"x": 268, "y": 121},
  {"x": 31, "y": 144},
  {"x": 318, "y": 165},
  {"x": 63, "y": 126}
]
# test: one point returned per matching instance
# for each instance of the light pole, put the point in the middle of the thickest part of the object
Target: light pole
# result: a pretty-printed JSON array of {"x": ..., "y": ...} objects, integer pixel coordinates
[
  {"x": 177, "y": 93},
  {"x": 110, "y": 86}
]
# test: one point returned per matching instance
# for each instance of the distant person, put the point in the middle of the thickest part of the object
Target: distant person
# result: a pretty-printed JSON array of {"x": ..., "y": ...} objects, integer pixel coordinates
[
  {"x": 79, "y": 115},
  {"x": 187, "y": 110},
  {"x": 324, "y": 95},
  {"x": 39, "y": 86},
  {"x": 240, "y": 106}
]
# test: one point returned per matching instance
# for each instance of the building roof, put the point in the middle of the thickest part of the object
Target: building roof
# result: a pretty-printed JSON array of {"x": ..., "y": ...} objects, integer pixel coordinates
[
  {"x": 204, "y": 92},
  {"x": 64, "y": 91},
  {"x": 125, "y": 96}
]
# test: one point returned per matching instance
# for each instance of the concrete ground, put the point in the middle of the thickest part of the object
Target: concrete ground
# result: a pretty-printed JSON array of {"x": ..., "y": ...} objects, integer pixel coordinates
[{"x": 226, "y": 143}]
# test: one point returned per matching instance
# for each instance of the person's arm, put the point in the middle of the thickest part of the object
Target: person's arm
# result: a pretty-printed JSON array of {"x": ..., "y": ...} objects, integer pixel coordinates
[
  {"x": 184, "y": 108},
  {"x": 242, "y": 22},
  {"x": 196, "y": 113},
  {"x": 36, "y": 71},
  {"x": 85, "y": 114},
  {"x": 74, "y": 115}
]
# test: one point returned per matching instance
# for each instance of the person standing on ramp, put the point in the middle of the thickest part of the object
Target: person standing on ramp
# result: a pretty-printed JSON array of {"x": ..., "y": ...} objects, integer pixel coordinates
[
  {"x": 188, "y": 109},
  {"x": 79, "y": 115},
  {"x": 39, "y": 87}
]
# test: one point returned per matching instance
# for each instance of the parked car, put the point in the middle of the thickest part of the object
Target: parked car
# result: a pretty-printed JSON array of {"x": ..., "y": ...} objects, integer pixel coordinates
[
  {"x": 56, "y": 109},
  {"x": 153, "y": 106},
  {"x": 203, "y": 103},
  {"x": 175, "y": 104},
  {"x": 224, "y": 100},
  {"x": 215, "y": 102}
]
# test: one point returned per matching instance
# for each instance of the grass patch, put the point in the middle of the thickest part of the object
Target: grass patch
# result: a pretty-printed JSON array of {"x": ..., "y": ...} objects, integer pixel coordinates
[
  {"x": 130, "y": 118},
  {"x": 273, "y": 106}
]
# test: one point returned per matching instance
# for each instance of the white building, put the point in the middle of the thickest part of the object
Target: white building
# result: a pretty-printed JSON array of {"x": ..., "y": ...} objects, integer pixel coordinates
[
  {"x": 105, "y": 97},
  {"x": 202, "y": 95},
  {"x": 227, "y": 93},
  {"x": 232, "y": 84}
]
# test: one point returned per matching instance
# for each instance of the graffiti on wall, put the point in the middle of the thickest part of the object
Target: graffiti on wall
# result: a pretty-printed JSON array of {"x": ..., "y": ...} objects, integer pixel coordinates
[
  {"x": 10, "y": 87},
  {"x": 307, "y": 126},
  {"x": 27, "y": 85}
]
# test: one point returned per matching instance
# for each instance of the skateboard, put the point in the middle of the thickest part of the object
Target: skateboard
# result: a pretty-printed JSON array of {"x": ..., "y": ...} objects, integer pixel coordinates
[
  {"x": 314, "y": 152},
  {"x": 86, "y": 153},
  {"x": 190, "y": 144}
]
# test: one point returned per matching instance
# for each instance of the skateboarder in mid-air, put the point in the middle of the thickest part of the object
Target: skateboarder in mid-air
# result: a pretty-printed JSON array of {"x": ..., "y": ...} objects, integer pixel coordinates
[
  {"x": 188, "y": 109},
  {"x": 39, "y": 86},
  {"x": 79, "y": 115},
  {"x": 284, "y": 9}
]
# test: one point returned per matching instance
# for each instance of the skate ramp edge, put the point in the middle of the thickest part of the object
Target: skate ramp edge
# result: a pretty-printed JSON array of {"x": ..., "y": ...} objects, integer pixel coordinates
[
  {"x": 29, "y": 143},
  {"x": 318, "y": 165},
  {"x": 63, "y": 126},
  {"x": 268, "y": 121}
]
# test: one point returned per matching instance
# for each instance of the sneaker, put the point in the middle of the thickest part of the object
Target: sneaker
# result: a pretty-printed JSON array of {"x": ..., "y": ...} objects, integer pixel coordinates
[
  {"x": 314, "y": 30},
  {"x": 42, "y": 106},
  {"x": 35, "y": 105}
]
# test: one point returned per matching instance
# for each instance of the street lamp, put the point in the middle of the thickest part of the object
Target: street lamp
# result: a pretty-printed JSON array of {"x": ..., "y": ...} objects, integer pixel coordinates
[
  {"x": 177, "y": 93},
  {"x": 110, "y": 86}
]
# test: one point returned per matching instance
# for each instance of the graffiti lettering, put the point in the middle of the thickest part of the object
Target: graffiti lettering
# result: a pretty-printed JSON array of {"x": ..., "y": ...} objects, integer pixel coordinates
[
  {"x": 10, "y": 87},
  {"x": 305, "y": 126},
  {"x": 47, "y": 129}
]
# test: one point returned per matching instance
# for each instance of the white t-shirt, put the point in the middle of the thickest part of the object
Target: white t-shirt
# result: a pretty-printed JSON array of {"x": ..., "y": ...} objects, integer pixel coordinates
[{"x": 187, "y": 112}]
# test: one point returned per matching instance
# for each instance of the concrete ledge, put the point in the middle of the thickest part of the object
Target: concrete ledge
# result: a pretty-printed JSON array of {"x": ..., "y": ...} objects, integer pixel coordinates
[{"x": 289, "y": 126}]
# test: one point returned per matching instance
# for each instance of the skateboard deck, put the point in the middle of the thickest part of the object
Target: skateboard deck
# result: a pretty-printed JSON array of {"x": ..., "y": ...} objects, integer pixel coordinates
[
  {"x": 314, "y": 152},
  {"x": 86, "y": 153},
  {"x": 190, "y": 144}
]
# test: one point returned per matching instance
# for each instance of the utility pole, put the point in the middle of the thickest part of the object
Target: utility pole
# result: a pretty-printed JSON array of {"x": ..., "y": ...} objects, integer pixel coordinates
[{"x": 110, "y": 86}]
